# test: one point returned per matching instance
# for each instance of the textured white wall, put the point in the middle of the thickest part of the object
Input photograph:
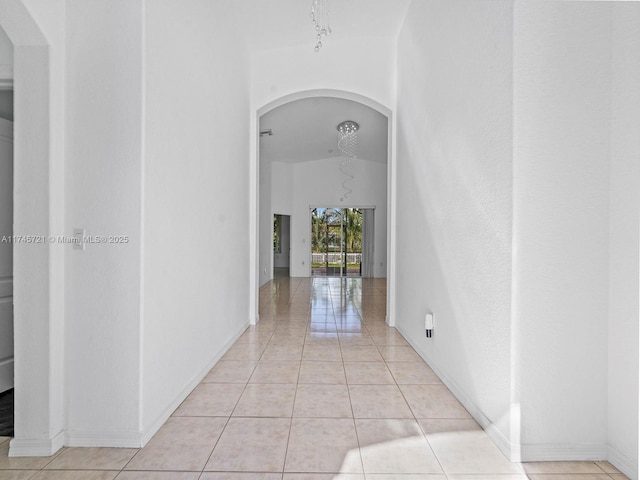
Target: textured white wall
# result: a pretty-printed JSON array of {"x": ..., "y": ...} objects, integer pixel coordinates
[
  {"x": 280, "y": 72},
  {"x": 196, "y": 195},
  {"x": 281, "y": 191},
  {"x": 6, "y": 50},
  {"x": 454, "y": 210},
  {"x": 624, "y": 204},
  {"x": 562, "y": 84},
  {"x": 319, "y": 183},
  {"x": 103, "y": 196}
]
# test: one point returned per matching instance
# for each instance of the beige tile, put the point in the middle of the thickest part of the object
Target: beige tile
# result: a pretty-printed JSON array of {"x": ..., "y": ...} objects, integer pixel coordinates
[
  {"x": 368, "y": 373},
  {"x": 317, "y": 401},
  {"x": 211, "y": 400},
  {"x": 388, "y": 338},
  {"x": 322, "y": 339},
  {"x": 355, "y": 339},
  {"x": 412, "y": 373},
  {"x": 421, "y": 476},
  {"x": 244, "y": 351},
  {"x": 322, "y": 373},
  {"x": 195, "y": 437},
  {"x": 561, "y": 467},
  {"x": 74, "y": 475},
  {"x": 322, "y": 327},
  {"x": 433, "y": 401},
  {"x": 251, "y": 445},
  {"x": 470, "y": 452},
  {"x": 260, "y": 337},
  {"x": 266, "y": 400},
  {"x": 17, "y": 474},
  {"x": 20, "y": 463},
  {"x": 395, "y": 446},
  {"x": 240, "y": 476},
  {"x": 397, "y": 353},
  {"x": 231, "y": 371},
  {"x": 362, "y": 353},
  {"x": 282, "y": 352},
  {"x": 323, "y": 445},
  {"x": 445, "y": 425},
  {"x": 618, "y": 476},
  {"x": 92, "y": 459},
  {"x": 158, "y": 476},
  {"x": 280, "y": 371},
  {"x": 353, "y": 326},
  {"x": 570, "y": 476},
  {"x": 321, "y": 353},
  {"x": 296, "y": 339},
  {"x": 487, "y": 477},
  {"x": 323, "y": 476},
  {"x": 378, "y": 401}
]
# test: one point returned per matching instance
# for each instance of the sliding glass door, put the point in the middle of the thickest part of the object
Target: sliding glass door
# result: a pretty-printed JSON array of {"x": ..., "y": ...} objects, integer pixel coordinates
[{"x": 336, "y": 242}]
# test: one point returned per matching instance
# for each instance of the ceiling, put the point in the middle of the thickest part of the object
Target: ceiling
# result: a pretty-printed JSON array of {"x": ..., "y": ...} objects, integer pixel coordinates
[
  {"x": 269, "y": 24},
  {"x": 305, "y": 130}
]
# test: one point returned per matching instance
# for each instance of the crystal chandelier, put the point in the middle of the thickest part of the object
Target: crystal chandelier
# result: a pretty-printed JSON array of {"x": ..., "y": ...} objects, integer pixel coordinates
[
  {"x": 348, "y": 146},
  {"x": 348, "y": 138},
  {"x": 320, "y": 19}
]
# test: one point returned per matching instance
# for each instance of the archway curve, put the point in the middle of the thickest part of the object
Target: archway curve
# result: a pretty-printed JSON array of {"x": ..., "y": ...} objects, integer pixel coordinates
[
  {"x": 38, "y": 270},
  {"x": 255, "y": 192}
]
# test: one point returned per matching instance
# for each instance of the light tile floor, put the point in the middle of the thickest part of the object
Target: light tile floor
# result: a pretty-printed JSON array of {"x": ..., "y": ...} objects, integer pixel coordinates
[{"x": 321, "y": 389}]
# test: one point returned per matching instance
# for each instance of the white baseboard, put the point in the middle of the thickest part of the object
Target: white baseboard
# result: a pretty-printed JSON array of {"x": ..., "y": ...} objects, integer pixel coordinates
[
  {"x": 162, "y": 418},
  {"x": 25, "y": 447},
  {"x": 523, "y": 452},
  {"x": 74, "y": 438},
  {"x": 549, "y": 452},
  {"x": 626, "y": 465},
  {"x": 508, "y": 449}
]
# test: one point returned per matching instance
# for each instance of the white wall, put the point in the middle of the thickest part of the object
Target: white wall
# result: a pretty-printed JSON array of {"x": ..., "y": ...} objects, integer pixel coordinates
[
  {"x": 624, "y": 203},
  {"x": 103, "y": 196},
  {"x": 281, "y": 191},
  {"x": 562, "y": 101},
  {"x": 280, "y": 72},
  {"x": 196, "y": 194},
  {"x": 6, "y": 55},
  {"x": 454, "y": 210},
  {"x": 319, "y": 183}
]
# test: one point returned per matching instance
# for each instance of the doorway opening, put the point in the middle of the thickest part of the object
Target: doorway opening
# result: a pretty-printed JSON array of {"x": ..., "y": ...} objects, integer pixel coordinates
[
  {"x": 6, "y": 273},
  {"x": 281, "y": 245},
  {"x": 336, "y": 242}
]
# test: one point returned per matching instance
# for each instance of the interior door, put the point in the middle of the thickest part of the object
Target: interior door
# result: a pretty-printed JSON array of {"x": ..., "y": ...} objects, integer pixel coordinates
[{"x": 6, "y": 255}]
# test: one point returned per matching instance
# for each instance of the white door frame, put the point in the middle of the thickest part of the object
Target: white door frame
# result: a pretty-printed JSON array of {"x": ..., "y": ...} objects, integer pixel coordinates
[
  {"x": 254, "y": 195},
  {"x": 38, "y": 210}
]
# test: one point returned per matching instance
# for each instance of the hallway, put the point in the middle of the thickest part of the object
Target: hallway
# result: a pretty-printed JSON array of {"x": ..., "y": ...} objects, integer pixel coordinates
[{"x": 320, "y": 387}]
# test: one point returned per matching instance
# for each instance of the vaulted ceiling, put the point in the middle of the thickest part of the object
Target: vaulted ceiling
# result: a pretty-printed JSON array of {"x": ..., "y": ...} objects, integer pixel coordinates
[{"x": 305, "y": 130}]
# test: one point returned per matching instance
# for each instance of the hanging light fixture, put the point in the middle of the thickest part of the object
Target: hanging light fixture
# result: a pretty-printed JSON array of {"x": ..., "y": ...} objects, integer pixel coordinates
[
  {"x": 320, "y": 19},
  {"x": 348, "y": 146},
  {"x": 348, "y": 138}
]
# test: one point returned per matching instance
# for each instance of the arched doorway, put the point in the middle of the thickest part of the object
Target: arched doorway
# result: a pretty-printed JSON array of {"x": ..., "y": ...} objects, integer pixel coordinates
[{"x": 256, "y": 271}]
